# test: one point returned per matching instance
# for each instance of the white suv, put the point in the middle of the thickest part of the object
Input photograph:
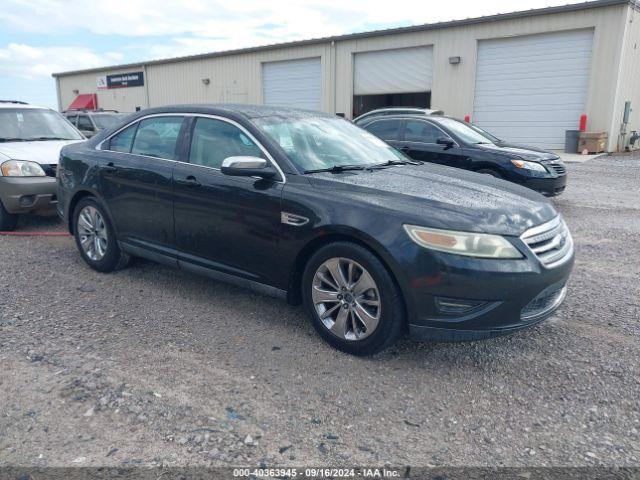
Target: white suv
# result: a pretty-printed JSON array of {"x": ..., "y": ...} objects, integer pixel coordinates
[{"x": 30, "y": 141}]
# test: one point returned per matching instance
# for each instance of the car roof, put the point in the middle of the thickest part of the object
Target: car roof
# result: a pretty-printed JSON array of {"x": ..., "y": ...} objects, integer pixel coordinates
[
  {"x": 408, "y": 116},
  {"x": 383, "y": 111},
  {"x": 19, "y": 104},
  {"x": 230, "y": 109},
  {"x": 99, "y": 111}
]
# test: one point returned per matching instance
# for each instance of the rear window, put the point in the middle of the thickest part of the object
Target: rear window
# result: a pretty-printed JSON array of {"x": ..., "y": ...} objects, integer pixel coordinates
[{"x": 157, "y": 137}]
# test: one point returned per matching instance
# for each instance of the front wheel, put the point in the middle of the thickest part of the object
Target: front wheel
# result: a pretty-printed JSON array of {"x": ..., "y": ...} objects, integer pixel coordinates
[
  {"x": 352, "y": 299},
  {"x": 7, "y": 221},
  {"x": 95, "y": 237}
]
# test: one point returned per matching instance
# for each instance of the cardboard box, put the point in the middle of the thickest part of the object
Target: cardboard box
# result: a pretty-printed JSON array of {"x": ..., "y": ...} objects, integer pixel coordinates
[{"x": 593, "y": 142}]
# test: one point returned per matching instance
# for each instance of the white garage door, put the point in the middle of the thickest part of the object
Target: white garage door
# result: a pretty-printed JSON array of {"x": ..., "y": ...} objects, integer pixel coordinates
[
  {"x": 402, "y": 70},
  {"x": 531, "y": 89},
  {"x": 294, "y": 83}
]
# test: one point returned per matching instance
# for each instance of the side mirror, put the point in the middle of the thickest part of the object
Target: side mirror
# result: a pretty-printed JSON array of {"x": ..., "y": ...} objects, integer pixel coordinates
[
  {"x": 447, "y": 142},
  {"x": 247, "y": 167}
]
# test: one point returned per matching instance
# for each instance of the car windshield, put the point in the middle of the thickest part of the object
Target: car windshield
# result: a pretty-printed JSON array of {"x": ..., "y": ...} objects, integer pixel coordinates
[
  {"x": 315, "y": 143},
  {"x": 482, "y": 131},
  {"x": 106, "y": 120},
  {"x": 25, "y": 124},
  {"x": 464, "y": 131}
]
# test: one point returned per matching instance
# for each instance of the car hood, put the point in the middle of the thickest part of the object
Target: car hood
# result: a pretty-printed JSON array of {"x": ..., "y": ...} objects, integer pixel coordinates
[
  {"x": 44, "y": 152},
  {"x": 522, "y": 152},
  {"x": 442, "y": 197}
]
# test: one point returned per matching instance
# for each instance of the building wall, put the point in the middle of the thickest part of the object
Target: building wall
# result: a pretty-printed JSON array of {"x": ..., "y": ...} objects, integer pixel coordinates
[
  {"x": 628, "y": 80},
  {"x": 237, "y": 77},
  {"x": 233, "y": 78},
  {"x": 121, "y": 99},
  {"x": 453, "y": 85}
]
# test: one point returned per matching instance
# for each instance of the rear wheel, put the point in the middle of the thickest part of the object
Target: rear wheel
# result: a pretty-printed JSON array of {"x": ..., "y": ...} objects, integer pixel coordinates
[
  {"x": 95, "y": 237},
  {"x": 352, "y": 299},
  {"x": 8, "y": 221}
]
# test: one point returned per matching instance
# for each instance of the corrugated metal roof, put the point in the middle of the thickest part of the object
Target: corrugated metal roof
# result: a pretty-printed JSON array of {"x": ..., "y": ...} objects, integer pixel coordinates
[{"x": 374, "y": 33}]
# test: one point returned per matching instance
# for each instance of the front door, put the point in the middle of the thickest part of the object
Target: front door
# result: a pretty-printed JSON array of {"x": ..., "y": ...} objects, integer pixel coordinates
[
  {"x": 229, "y": 224},
  {"x": 419, "y": 141},
  {"x": 136, "y": 182}
]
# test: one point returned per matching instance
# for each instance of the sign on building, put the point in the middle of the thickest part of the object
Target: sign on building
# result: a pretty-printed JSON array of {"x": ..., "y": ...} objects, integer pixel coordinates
[{"x": 120, "y": 80}]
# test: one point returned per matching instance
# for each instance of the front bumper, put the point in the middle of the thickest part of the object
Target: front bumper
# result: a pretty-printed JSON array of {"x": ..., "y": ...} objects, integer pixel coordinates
[
  {"x": 550, "y": 187},
  {"x": 28, "y": 194},
  {"x": 456, "y": 298}
]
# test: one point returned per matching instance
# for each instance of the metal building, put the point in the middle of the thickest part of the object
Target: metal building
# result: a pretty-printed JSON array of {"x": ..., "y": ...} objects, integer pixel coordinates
[{"x": 525, "y": 76}]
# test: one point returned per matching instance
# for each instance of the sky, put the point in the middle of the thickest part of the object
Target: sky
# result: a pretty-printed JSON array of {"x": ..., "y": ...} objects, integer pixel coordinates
[{"x": 40, "y": 37}]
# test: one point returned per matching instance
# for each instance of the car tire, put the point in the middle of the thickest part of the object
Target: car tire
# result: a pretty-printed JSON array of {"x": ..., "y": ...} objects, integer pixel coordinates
[
  {"x": 488, "y": 171},
  {"x": 8, "y": 221},
  {"x": 357, "y": 326},
  {"x": 95, "y": 237}
]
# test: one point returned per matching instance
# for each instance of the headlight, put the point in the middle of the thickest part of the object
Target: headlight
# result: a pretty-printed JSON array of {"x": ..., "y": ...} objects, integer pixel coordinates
[
  {"x": 479, "y": 245},
  {"x": 22, "y": 168},
  {"x": 536, "y": 167}
]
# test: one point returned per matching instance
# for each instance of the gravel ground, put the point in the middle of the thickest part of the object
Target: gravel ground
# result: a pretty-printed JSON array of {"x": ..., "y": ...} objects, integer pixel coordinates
[{"x": 153, "y": 366}]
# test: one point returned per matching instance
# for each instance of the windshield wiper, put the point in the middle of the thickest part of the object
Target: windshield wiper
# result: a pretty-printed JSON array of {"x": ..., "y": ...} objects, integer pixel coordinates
[
  {"x": 10, "y": 139},
  {"x": 400, "y": 162},
  {"x": 339, "y": 168},
  {"x": 482, "y": 143}
]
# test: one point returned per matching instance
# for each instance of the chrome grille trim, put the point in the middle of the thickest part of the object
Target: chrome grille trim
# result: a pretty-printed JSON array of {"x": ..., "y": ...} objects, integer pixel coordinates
[
  {"x": 555, "y": 166},
  {"x": 550, "y": 242}
]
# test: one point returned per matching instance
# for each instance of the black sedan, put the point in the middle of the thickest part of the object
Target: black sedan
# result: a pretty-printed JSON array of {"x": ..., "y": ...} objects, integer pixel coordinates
[
  {"x": 447, "y": 141},
  {"x": 310, "y": 207}
]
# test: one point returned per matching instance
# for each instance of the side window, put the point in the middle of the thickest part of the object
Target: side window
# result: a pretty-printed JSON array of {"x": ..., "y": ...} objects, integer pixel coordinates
[
  {"x": 157, "y": 137},
  {"x": 73, "y": 118},
  {"x": 424, "y": 132},
  {"x": 214, "y": 140},
  {"x": 84, "y": 123},
  {"x": 384, "y": 129},
  {"x": 123, "y": 141}
]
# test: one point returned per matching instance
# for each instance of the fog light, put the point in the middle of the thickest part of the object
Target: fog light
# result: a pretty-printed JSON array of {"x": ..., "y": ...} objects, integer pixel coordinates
[
  {"x": 27, "y": 200},
  {"x": 457, "y": 306}
]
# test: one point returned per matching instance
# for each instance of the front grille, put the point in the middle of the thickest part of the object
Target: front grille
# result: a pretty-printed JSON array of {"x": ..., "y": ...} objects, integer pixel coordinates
[
  {"x": 557, "y": 167},
  {"x": 551, "y": 242},
  {"x": 543, "y": 304},
  {"x": 50, "y": 170}
]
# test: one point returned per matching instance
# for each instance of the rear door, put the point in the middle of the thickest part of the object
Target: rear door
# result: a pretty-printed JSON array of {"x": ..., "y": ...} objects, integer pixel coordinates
[
  {"x": 224, "y": 223},
  {"x": 136, "y": 182},
  {"x": 419, "y": 141}
]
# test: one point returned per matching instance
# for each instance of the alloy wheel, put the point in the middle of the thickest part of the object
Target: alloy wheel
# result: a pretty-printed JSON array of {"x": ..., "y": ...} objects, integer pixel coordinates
[
  {"x": 346, "y": 299},
  {"x": 92, "y": 232}
]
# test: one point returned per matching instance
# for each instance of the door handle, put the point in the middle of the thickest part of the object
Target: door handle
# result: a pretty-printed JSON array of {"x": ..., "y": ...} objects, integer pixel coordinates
[
  {"x": 110, "y": 167},
  {"x": 190, "y": 182},
  {"x": 404, "y": 148}
]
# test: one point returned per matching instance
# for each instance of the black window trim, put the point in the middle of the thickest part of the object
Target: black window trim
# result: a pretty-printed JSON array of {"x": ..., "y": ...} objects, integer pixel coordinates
[{"x": 187, "y": 117}]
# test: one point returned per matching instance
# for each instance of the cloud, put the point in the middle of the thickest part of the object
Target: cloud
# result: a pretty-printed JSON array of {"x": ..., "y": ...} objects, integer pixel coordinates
[
  {"x": 239, "y": 20},
  {"x": 28, "y": 62},
  {"x": 152, "y": 29}
]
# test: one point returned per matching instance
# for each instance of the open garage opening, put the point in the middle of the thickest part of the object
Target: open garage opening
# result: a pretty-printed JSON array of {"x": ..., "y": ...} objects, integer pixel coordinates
[
  {"x": 365, "y": 103},
  {"x": 399, "y": 77}
]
